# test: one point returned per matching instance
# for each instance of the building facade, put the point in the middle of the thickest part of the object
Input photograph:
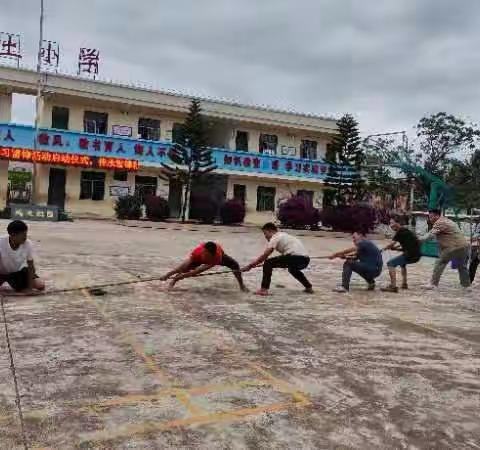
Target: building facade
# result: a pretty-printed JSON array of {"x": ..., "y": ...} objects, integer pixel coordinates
[{"x": 100, "y": 140}]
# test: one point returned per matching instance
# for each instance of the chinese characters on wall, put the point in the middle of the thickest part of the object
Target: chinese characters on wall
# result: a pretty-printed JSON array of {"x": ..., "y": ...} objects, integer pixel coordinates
[{"x": 11, "y": 49}]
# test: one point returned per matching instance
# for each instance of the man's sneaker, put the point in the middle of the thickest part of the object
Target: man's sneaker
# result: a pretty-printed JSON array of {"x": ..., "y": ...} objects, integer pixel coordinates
[
  {"x": 309, "y": 291},
  {"x": 371, "y": 287},
  {"x": 340, "y": 290},
  {"x": 467, "y": 289},
  {"x": 429, "y": 287},
  {"x": 405, "y": 286},
  {"x": 389, "y": 289}
]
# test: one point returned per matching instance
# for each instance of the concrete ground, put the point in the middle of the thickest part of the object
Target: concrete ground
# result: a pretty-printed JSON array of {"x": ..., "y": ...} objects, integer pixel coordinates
[{"x": 208, "y": 367}]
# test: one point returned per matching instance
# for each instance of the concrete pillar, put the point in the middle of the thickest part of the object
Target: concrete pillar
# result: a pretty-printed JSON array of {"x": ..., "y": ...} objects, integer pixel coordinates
[
  {"x": 166, "y": 130},
  {"x": 41, "y": 184},
  {"x": 253, "y": 140},
  {"x": 5, "y": 107},
  {"x": 3, "y": 183}
]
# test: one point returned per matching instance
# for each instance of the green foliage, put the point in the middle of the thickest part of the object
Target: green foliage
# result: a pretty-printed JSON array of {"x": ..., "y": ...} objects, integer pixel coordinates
[
  {"x": 191, "y": 156},
  {"x": 128, "y": 208},
  {"x": 156, "y": 208},
  {"x": 440, "y": 136},
  {"x": 347, "y": 151},
  {"x": 464, "y": 177}
]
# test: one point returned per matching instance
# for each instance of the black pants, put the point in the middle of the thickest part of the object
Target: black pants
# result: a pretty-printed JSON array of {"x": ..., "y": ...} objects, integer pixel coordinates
[
  {"x": 474, "y": 261},
  {"x": 17, "y": 280},
  {"x": 227, "y": 261},
  {"x": 294, "y": 263}
]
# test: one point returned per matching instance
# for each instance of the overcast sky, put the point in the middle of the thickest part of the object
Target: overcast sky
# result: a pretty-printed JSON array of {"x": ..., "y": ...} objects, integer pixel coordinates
[{"x": 386, "y": 61}]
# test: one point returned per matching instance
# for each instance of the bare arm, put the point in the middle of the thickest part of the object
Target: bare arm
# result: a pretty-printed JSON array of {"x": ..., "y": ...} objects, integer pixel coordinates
[
  {"x": 343, "y": 253},
  {"x": 194, "y": 272},
  {"x": 179, "y": 269},
  {"x": 392, "y": 246},
  {"x": 259, "y": 260}
]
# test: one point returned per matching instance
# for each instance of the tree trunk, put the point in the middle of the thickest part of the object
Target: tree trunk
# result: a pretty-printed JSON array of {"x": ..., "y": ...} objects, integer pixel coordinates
[{"x": 186, "y": 197}]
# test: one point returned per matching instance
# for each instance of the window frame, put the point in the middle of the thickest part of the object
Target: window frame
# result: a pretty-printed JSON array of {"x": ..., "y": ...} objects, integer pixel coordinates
[
  {"x": 93, "y": 180},
  {"x": 87, "y": 122},
  {"x": 265, "y": 195},
  {"x": 304, "y": 150},
  {"x": 237, "y": 146},
  {"x": 152, "y": 127},
  {"x": 265, "y": 147},
  {"x": 65, "y": 109},
  {"x": 243, "y": 197}
]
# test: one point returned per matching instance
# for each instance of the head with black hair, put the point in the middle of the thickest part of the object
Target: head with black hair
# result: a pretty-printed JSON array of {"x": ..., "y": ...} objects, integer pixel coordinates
[
  {"x": 397, "y": 221},
  {"x": 17, "y": 230},
  {"x": 269, "y": 229},
  {"x": 433, "y": 215},
  {"x": 358, "y": 236}
]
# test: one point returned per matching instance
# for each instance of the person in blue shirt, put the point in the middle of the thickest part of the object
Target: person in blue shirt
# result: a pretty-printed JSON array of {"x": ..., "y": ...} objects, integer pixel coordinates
[{"x": 364, "y": 258}]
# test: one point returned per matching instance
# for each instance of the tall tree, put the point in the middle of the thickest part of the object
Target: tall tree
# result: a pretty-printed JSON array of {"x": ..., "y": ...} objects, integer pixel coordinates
[
  {"x": 346, "y": 150},
  {"x": 190, "y": 154},
  {"x": 440, "y": 136},
  {"x": 464, "y": 177}
]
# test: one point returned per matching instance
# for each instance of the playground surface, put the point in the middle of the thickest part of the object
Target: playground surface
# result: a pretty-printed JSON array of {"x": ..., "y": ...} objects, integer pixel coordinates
[{"x": 208, "y": 367}]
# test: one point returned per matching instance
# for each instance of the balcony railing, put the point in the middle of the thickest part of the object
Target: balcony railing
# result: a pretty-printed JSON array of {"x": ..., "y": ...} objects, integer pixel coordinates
[{"x": 153, "y": 153}]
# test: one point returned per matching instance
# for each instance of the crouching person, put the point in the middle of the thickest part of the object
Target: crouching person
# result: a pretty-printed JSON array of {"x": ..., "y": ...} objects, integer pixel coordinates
[
  {"x": 17, "y": 260},
  {"x": 364, "y": 258}
]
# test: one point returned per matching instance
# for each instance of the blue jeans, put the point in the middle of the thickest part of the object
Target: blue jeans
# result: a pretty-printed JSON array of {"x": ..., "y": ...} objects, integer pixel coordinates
[{"x": 366, "y": 271}]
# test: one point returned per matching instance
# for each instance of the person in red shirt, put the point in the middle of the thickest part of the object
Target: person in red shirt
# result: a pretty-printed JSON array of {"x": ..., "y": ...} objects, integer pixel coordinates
[{"x": 202, "y": 258}]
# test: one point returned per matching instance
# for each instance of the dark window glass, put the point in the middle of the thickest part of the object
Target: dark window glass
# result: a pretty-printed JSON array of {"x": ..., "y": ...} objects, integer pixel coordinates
[
  {"x": 149, "y": 129},
  {"x": 92, "y": 186},
  {"x": 177, "y": 132},
  {"x": 95, "y": 122},
  {"x": 241, "y": 141},
  {"x": 60, "y": 117},
  {"x": 239, "y": 192},
  {"x": 268, "y": 144},
  {"x": 307, "y": 195},
  {"x": 308, "y": 149},
  {"x": 265, "y": 198}
]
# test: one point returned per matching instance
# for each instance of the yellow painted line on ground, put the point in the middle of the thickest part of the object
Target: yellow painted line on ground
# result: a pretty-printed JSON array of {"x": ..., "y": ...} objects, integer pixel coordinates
[
  {"x": 282, "y": 386},
  {"x": 152, "y": 427},
  {"x": 150, "y": 362}
]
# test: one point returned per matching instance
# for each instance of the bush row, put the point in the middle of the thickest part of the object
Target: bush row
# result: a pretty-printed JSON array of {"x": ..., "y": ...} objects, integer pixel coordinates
[{"x": 296, "y": 212}]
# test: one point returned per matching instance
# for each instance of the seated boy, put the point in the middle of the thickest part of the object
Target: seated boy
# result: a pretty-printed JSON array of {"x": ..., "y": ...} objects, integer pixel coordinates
[
  {"x": 16, "y": 260},
  {"x": 202, "y": 258}
]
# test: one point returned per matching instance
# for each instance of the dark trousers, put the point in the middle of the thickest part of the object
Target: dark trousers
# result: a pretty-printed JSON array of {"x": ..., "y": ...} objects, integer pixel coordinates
[
  {"x": 366, "y": 271},
  {"x": 294, "y": 263},
  {"x": 474, "y": 261}
]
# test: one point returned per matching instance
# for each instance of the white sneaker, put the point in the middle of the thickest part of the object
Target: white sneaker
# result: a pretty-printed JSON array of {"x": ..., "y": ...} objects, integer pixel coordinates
[{"x": 340, "y": 290}]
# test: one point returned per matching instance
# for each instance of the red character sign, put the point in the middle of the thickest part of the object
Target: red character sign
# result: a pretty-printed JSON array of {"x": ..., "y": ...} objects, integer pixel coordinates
[
  {"x": 88, "y": 60},
  {"x": 50, "y": 54},
  {"x": 10, "y": 46}
]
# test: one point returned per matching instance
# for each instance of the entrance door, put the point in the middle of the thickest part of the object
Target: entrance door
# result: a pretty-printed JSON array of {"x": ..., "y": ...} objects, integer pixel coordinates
[
  {"x": 175, "y": 198},
  {"x": 145, "y": 186},
  {"x": 56, "y": 187}
]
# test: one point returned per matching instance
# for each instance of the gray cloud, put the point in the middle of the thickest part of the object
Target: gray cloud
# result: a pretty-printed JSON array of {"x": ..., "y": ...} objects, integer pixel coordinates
[{"x": 387, "y": 62}]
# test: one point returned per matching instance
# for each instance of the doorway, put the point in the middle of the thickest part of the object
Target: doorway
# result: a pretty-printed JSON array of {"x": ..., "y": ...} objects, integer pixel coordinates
[
  {"x": 145, "y": 186},
  {"x": 56, "y": 187},
  {"x": 175, "y": 193}
]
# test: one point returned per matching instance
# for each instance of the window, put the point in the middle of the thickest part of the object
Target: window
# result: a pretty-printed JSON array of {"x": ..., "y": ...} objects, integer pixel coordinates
[
  {"x": 120, "y": 175},
  {"x": 308, "y": 149},
  {"x": 149, "y": 129},
  {"x": 239, "y": 192},
  {"x": 265, "y": 198},
  {"x": 307, "y": 195},
  {"x": 92, "y": 186},
  {"x": 177, "y": 131},
  {"x": 95, "y": 122},
  {"x": 241, "y": 141},
  {"x": 145, "y": 186},
  {"x": 60, "y": 117},
  {"x": 268, "y": 144},
  {"x": 330, "y": 153}
]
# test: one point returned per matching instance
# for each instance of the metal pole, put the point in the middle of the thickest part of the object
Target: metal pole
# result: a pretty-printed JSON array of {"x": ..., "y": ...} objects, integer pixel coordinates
[{"x": 38, "y": 98}]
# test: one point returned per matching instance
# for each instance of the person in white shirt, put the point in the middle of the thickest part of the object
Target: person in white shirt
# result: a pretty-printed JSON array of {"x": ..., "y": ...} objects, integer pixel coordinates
[
  {"x": 16, "y": 260},
  {"x": 294, "y": 257}
]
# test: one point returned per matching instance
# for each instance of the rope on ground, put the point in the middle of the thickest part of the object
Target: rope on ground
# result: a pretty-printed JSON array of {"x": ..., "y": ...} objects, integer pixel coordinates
[
  {"x": 14, "y": 375},
  {"x": 140, "y": 280}
]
